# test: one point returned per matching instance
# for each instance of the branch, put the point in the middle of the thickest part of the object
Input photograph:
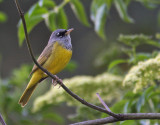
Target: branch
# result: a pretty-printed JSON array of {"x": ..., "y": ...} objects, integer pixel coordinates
[
  {"x": 52, "y": 76},
  {"x": 103, "y": 103},
  {"x": 2, "y": 120},
  {"x": 127, "y": 116}
]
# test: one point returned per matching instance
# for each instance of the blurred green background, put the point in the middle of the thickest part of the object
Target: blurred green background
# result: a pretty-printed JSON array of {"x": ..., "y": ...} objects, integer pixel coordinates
[{"x": 115, "y": 52}]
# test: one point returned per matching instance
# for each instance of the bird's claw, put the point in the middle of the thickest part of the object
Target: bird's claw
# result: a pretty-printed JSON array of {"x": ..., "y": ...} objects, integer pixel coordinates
[{"x": 54, "y": 82}]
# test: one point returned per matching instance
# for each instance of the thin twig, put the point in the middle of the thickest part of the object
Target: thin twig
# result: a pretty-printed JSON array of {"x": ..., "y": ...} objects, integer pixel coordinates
[
  {"x": 2, "y": 120},
  {"x": 52, "y": 76},
  {"x": 103, "y": 103},
  {"x": 127, "y": 116}
]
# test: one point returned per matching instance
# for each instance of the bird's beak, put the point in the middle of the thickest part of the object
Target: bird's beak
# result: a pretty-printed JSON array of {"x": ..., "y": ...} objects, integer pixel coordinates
[{"x": 68, "y": 31}]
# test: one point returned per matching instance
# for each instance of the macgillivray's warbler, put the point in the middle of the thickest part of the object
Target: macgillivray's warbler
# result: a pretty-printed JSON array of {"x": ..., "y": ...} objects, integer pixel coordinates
[{"x": 54, "y": 58}]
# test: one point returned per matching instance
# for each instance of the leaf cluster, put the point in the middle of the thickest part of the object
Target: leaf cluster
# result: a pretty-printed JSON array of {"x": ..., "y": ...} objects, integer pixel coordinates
[
  {"x": 10, "y": 92},
  {"x": 131, "y": 43},
  {"x": 55, "y": 16},
  {"x": 142, "y": 101}
]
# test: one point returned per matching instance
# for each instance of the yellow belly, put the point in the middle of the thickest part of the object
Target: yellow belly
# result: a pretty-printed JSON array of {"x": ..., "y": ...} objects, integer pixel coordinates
[{"x": 58, "y": 60}]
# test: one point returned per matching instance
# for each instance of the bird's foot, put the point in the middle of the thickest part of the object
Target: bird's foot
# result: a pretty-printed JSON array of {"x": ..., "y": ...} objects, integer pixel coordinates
[{"x": 54, "y": 82}]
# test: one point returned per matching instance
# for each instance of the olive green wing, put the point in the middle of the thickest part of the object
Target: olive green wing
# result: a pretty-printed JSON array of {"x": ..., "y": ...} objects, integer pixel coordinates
[{"x": 43, "y": 57}]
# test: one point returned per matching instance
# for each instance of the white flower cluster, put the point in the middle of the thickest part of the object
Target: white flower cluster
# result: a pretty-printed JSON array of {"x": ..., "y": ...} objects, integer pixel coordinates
[
  {"x": 143, "y": 74},
  {"x": 109, "y": 86}
]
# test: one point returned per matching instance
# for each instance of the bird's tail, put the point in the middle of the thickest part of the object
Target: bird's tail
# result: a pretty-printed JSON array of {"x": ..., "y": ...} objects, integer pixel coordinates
[{"x": 29, "y": 90}]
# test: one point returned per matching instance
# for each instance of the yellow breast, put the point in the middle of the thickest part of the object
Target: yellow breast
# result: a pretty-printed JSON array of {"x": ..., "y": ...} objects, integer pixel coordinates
[{"x": 59, "y": 58}]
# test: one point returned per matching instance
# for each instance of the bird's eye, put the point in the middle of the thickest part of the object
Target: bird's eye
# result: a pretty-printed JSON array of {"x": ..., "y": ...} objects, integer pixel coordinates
[{"x": 58, "y": 34}]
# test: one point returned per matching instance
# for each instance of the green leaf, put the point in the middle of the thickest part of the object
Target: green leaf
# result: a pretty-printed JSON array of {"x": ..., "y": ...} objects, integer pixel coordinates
[
  {"x": 79, "y": 11},
  {"x": 116, "y": 62},
  {"x": 117, "y": 107},
  {"x": 71, "y": 66},
  {"x": 140, "y": 103},
  {"x": 26, "y": 122},
  {"x": 96, "y": 4},
  {"x": 122, "y": 10},
  {"x": 144, "y": 97},
  {"x": 126, "y": 107},
  {"x": 3, "y": 17},
  {"x": 34, "y": 16},
  {"x": 62, "y": 21},
  {"x": 154, "y": 93},
  {"x": 150, "y": 4},
  {"x": 142, "y": 56},
  {"x": 50, "y": 21},
  {"x": 108, "y": 3},
  {"x": 136, "y": 40},
  {"x": 130, "y": 95},
  {"x": 149, "y": 91},
  {"x": 20, "y": 75},
  {"x": 56, "y": 20},
  {"x": 54, "y": 117},
  {"x": 47, "y": 3},
  {"x": 100, "y": 21},
  {"x": 99, "y": 12},
  {"x": 128, "y": 122},
  {"x": 127, "y": 2},
  {"x": 158, "y": 34},
  {"x": 104, "y": 115},
  {"x": 153, "y": 43}
]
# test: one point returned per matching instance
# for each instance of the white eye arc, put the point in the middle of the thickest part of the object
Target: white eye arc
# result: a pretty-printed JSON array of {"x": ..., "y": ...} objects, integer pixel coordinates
[{"x": 57, "y": 34}]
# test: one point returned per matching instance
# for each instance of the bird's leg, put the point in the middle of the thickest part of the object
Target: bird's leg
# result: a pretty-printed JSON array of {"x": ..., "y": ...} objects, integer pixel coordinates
[{"x": 54, "y": 82}]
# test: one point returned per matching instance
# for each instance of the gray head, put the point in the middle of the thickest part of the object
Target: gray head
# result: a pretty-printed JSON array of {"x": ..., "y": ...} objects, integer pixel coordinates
[{"x": 63, "y": 37}]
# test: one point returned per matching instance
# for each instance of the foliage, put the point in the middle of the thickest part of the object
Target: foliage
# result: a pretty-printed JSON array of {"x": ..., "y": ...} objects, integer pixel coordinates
[
  {"x": 71, "y": 66},
  {"x": 134, "y": 88},
  {"x": 11, "y": 90},
  {"x": 3, "y": 16},
  {"x": 143, "y": 74},
  {"x": 106, "y": 56},
  {"x": 55, "y": 16},
  {"x": 142, "y": 101},
  {"x": 133, "y": 42}
]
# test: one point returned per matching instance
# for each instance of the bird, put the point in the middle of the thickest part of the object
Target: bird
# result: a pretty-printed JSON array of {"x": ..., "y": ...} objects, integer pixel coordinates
[{"x": 54, "y": 58}]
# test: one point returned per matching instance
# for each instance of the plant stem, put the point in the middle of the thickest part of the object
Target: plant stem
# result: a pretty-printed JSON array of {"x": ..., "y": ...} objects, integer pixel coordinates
[
  {"x": 2, "y": 120},
  {"x": 63, "y": 3}
]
